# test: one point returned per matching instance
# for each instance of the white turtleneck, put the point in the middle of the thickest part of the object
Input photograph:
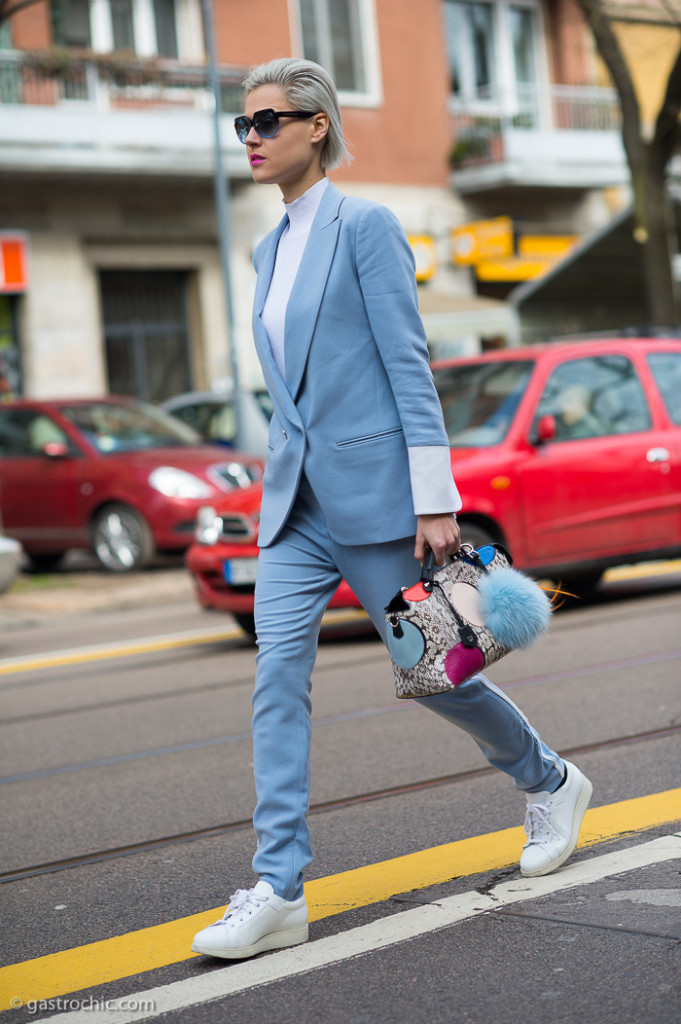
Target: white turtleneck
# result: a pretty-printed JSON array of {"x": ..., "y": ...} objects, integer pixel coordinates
[
  {"x": 301, "y": 213},
  {"x": 432, "y": 484}
]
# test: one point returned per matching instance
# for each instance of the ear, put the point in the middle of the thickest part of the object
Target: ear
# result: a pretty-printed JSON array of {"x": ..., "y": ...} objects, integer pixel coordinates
[{"x": 320, "y": 126}]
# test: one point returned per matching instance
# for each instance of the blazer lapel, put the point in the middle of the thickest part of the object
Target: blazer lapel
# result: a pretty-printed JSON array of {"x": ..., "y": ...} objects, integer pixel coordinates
[
  {"x": 273, "y": 379},
  {"x": 308, "y": 289}
]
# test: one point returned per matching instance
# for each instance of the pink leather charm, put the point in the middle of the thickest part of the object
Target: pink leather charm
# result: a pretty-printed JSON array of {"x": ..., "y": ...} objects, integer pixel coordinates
[{"x": 462, "y": 662}]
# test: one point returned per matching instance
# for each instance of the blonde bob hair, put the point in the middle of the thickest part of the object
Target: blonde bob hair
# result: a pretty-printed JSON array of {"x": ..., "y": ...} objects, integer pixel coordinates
[{"x": 308, "y": 87}]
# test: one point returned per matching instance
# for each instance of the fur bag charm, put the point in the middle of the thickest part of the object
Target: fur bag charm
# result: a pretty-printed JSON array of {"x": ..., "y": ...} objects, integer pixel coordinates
[{"x": 461, "y": 618}]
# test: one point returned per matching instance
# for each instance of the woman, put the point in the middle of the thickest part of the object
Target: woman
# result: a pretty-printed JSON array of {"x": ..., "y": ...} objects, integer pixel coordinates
[{"x": 358, "y": 485}]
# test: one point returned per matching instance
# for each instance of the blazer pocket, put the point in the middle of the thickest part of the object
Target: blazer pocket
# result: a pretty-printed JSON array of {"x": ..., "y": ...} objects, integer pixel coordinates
[{"x": 368, "y": 438}]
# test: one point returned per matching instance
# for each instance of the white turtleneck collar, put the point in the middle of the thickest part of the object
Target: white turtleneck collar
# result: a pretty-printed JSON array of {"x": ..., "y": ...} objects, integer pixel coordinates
[{"x": 301, "y": 211}]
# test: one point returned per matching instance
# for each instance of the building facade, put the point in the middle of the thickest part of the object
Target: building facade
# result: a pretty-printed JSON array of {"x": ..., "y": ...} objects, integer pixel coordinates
[{"x": 486, "y": 126}]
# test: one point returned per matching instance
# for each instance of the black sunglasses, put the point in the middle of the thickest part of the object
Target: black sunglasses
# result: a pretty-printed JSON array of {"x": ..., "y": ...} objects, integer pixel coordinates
[{"x": 266, "y": 122}]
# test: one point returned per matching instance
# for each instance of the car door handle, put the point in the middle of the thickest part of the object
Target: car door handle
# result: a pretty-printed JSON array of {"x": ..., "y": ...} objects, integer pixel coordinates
[{"x": 657, "y": 455}]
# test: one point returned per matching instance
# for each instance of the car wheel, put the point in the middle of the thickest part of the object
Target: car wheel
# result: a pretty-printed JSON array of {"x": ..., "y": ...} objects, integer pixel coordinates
[
  {"x": 45, "y": 561},
  {"x": 247, "y": 623},
  {"x": 122, "y": 539},
  {"x": 474, "y": 535}
]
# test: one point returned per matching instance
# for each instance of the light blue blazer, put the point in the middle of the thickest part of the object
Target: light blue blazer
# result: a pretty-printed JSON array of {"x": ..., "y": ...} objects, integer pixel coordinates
[{"x": 358, "y": 389}]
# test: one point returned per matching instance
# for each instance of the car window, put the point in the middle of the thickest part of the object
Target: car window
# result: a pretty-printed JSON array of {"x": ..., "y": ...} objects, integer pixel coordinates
[
  {"x": 128, "y": 428},
  {"x": 595, "y": 397},
  {"x": 666, "y": 369},
  {"x": 205, "y": 417},
  {"x": 479, "y": 400},
  {"x": 26, "y": 432}
]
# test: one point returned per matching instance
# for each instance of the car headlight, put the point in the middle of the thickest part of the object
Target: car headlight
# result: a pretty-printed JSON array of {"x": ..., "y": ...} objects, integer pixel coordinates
[
  {"x": 208, "y": 525},
  {"x": 177, "y": 483},
  {"x": 229, "y": 475}
]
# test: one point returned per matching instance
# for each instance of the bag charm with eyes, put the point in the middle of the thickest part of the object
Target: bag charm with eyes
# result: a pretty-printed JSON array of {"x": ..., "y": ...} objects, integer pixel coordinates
[{"x": 461, "y": 618}]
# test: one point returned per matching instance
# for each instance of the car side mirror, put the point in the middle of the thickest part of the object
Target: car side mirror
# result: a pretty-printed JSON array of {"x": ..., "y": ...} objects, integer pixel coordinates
[
  {"x": 545, "y": 429},
  {"x": 55, "y": 450}
]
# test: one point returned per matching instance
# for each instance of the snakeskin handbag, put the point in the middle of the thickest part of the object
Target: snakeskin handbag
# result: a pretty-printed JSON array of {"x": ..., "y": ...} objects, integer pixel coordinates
[{"x": 461, "y": 618}]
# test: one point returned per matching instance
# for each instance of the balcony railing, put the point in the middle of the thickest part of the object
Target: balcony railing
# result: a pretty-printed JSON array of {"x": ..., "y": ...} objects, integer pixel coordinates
[
  {"x": 481, "y": 138},
  {"x": 74, "y": 111},
  {"x": 111, "y": 82}
]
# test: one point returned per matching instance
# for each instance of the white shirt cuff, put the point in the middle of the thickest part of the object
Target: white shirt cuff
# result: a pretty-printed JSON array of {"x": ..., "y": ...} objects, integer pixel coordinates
[{"x": 432, "y": 484}]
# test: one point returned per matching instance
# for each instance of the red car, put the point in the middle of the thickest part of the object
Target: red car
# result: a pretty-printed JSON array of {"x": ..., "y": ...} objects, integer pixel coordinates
[
  {"x": 113, "y": 474},
  {"x": 569, "y": 453}
]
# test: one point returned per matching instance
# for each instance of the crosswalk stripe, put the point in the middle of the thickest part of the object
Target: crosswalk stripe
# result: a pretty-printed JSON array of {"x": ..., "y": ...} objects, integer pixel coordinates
[{"x": 160, "y": 945}]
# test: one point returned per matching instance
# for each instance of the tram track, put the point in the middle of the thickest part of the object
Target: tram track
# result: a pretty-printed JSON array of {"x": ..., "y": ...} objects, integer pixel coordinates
[
  {"x": 341, "y": 803},
  {"x": 378, "y": 658}
]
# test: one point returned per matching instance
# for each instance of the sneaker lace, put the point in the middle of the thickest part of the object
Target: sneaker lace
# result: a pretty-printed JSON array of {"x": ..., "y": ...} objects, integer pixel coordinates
[
  {"x": 538, "y": 825},
  {"x": 243, "y": 900}
]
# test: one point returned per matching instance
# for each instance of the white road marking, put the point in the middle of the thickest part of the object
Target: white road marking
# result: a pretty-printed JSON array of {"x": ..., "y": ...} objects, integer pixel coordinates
[{"x": 379, "y": 934}]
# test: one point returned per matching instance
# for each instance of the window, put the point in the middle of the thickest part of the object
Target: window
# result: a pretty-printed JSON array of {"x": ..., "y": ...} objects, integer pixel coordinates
[
  {"x": 595, "y": 397},
  {"x": 146, "y": 27},
  {"x": 145, "y": 330},
  {"x": 492, "y": 49},
  {"x": 332, "y": 34},
  {"x": 71, "y": 23},
  {"x": 166, "y": 30},
  {"x": 666, "y": 369},
  {"x": 480, "y": 401},
  {"x": 482, "y": 44},
  {"x": 24, "y": 433},
  {"x": 522, "y": 25},
  {"x": 121, "y": 20}
]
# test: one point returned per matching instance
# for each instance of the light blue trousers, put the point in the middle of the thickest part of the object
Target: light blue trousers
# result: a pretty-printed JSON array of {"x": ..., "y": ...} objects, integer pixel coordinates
[{"x": 296, "y": 578}]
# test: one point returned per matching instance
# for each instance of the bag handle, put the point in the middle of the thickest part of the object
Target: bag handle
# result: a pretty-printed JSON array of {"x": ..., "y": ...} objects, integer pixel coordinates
[
  {"x": 466, "y": 551},
  {"x": 428, "y": 569},
  {"x": 428, "y": 581}
]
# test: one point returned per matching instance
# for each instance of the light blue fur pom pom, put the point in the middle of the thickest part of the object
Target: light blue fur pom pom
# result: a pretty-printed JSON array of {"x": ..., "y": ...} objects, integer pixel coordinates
[{"x": 514, "y": 609}]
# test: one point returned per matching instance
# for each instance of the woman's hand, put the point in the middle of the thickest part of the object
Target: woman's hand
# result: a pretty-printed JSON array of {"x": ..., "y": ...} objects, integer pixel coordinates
[{"x": 440, "y": 533}]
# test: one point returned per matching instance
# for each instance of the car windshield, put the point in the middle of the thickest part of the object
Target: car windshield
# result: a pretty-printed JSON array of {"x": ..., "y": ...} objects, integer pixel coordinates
[
  {"x": 121, "y": 427},
  {"x": 479, "y": 400}
]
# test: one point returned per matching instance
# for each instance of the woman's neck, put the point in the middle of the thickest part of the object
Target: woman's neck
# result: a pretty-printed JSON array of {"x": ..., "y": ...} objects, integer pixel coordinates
[{"x": 294, "y": 190}]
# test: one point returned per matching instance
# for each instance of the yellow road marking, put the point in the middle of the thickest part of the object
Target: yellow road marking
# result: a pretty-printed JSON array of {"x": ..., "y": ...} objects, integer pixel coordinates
[
  {"x": 161, "y": 945},
  {"x": 54, "y": 660},
  {"x": 641, "y": 570},
  {"x": 33, "y": 663},
  {"x": 57, "y": 659}
]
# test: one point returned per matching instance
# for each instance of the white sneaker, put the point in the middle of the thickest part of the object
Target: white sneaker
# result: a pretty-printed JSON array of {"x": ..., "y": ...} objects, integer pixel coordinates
[
  {"x": 255, "y": 920},
  {"x": 552, "y": 823}
]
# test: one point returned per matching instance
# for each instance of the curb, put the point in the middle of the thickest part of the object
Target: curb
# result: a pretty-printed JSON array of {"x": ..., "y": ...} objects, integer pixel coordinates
[{"x": 83, "y": 593}]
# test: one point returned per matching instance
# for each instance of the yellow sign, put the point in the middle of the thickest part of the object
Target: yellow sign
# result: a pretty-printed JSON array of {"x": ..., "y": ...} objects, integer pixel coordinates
[
  {"x": 423, "y": 248},
  {"x": 512, "y": 268},
  {"x": 482, "y": 240},
  {"x": 546, "y": 246}
]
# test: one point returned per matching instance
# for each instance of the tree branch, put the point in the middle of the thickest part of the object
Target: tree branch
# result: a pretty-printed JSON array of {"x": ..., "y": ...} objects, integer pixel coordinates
[
  {"x": 667, "y": 127},
  {"x": 611, "y": 52},
  {"x": 7, "y": 8}
]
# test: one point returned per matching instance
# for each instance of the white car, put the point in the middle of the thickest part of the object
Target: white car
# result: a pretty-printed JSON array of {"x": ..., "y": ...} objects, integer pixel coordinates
[
  {"x": 10, "y": 559},
  {"x": 238, "y": 420}
]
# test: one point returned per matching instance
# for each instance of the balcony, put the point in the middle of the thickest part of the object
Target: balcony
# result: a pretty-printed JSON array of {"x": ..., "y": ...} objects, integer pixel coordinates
[
  {"x": 64, "y": 112},
  {"x": 556, "y": 137}
]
